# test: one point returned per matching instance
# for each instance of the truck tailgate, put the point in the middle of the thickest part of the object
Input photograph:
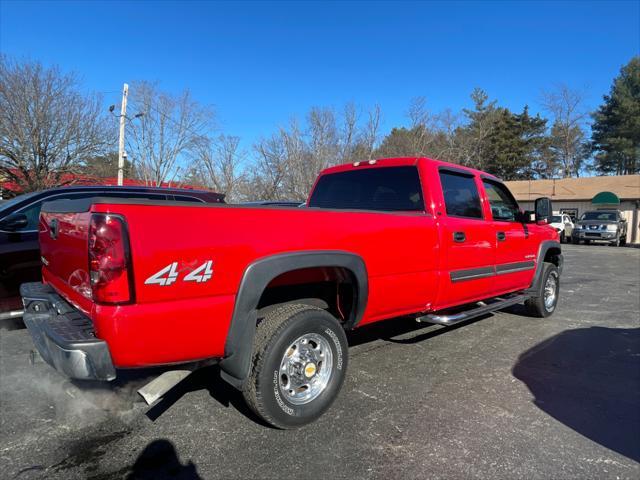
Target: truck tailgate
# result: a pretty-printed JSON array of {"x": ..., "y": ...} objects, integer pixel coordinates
[{"x": 64, "y": 254}]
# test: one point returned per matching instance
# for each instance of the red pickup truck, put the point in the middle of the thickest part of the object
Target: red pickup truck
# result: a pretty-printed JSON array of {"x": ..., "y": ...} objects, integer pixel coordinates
[{"x": 268, "y": 292}]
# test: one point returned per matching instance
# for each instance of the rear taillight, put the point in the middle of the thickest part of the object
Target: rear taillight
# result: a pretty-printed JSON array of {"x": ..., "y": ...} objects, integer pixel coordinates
[{"x": 109, "y": 262}]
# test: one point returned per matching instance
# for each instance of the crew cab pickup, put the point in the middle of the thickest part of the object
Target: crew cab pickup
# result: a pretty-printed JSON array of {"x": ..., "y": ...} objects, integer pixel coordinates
[{"x": 268, "y": 292}]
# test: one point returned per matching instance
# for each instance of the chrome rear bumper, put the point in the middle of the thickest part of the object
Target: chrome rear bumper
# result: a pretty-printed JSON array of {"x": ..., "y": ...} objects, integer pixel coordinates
[{"x": 64, "y": 336}]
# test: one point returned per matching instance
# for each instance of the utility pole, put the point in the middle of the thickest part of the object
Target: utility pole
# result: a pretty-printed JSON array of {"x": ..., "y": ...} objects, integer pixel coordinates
[{"x": 123, "y": 119}]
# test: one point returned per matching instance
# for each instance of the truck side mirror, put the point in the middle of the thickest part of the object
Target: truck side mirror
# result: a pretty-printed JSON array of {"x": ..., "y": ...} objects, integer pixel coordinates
[
  {"x": 14, "y": 222},
  {"x": 543, "y": 209}
]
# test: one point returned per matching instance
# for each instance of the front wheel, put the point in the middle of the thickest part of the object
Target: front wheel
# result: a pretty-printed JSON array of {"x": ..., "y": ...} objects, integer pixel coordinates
[
  {"x": 544, "y": 302},
  {"x": 299, "y": 363}
]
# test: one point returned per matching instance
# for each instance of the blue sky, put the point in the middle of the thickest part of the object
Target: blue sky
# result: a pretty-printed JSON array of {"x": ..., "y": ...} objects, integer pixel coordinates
[{"x": 261, "y": 63}]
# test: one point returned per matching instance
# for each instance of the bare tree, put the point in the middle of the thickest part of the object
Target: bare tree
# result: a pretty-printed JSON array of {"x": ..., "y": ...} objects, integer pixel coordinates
[
  {"x": 568, "y": 140},
  {"x": 47, "y": 128},
  {"x": 323, "y": 138},
  {"x": 269, "y": 170},
  {"x": 369, "y": 137},
  {"x": 447, "y": 147},
  {"x": 288, "y": 162},
  {"x": 220, "y": 161},
  {"x": 349, "y": 132},
  {"x": 423, "y": 127},
  {"x": 172, "y": 127}
]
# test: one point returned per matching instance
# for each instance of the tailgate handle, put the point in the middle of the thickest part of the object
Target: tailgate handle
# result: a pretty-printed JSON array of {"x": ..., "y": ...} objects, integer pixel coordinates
[
  {"x": 459, "y": 237},
  {"x": 53, "y": 228}
]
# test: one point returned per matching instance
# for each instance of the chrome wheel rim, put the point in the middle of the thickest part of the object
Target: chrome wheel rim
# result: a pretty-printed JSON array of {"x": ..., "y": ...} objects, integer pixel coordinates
[
  {"x": 305, "y": 369},
  {"x": 550, "y": 292}
]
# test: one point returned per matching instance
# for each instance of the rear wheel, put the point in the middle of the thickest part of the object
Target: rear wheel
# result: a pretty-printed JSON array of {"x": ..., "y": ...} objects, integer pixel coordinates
[
  {"x": 562, "y": 237},
  {"x": 545, "y": 300},
  {"x": 587, "y": 242},
  {"x": 299, "y": 364}
]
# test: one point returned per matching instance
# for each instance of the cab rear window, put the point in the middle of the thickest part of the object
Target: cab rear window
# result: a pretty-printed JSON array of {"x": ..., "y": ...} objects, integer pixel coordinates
[{"x": 388, "y": 189}]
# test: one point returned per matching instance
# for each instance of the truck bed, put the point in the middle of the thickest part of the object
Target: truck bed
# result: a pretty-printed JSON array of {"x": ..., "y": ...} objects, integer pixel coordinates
[{"x": 231, "y": 237}]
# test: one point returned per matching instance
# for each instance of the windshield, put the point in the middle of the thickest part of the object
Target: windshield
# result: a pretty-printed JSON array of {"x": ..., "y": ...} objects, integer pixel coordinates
[
  {"x": 556, "y": 219},
  {"x": 602, "y": 216},
  {"x": 6, "y": 206}
]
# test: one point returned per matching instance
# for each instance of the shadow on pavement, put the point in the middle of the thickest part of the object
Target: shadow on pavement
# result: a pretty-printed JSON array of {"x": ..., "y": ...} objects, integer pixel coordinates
[
  {"x": 158, "y": 461},
  {"x": 208, "y": 378},
  {"x": 589, "y": 379},
  {"x": 120, "y": 394}
]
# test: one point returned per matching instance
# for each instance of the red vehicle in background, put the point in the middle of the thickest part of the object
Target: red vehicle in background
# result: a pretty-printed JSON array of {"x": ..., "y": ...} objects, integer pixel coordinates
[{"x": 269, "y": 292}]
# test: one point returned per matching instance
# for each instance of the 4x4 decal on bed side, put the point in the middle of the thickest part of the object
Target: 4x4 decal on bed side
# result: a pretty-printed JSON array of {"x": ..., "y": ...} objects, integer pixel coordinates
[{"x": 169, "y": 274}]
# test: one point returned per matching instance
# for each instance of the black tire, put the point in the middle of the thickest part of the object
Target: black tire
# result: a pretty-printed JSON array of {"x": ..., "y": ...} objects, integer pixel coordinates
[
  {"x": 535, "y": 304},
  {"x": 274, "y": 335},
  {"x": 562, "y": 238},
  {"x": 575, "y": 240},
  {"x": 623, "y": 240},
  {"x": 587, "y": 242}
]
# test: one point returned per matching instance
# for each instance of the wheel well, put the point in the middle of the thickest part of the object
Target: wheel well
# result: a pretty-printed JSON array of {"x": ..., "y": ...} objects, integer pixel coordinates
[
  {"x": 331, "y": 288},
  {"x": 553, "y": 256}
]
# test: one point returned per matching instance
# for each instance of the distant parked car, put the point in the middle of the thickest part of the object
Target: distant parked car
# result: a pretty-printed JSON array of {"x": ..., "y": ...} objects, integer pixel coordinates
[
  {"x": 563, "y": 225},
  {"x": 19, "y": 248},
  {"x": 274, "y": 203},
  {"x": 601, "y": 226}
]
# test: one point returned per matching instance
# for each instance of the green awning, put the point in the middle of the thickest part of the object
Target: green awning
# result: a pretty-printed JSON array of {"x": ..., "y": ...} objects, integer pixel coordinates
[{"x": 606, "y": 198}]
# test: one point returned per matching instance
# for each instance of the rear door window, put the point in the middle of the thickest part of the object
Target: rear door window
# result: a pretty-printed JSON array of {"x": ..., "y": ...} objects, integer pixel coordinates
[
  {"x": 461, "y": 196},
  {"x": 389, "y": 189}
]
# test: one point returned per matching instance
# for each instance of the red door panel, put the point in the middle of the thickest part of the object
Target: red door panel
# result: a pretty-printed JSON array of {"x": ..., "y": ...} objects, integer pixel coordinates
[
  {"x": 515, "y": 247},
  {"x": 467, "y": 239}
]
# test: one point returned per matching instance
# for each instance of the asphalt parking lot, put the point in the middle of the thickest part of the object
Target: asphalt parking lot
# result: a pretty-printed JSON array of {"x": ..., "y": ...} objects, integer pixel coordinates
[{"x": 506, "y": 396}]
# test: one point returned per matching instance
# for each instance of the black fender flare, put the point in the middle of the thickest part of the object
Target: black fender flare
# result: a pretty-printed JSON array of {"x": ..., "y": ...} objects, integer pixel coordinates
[
  {"x": 542, "y": 252},
  {"x": 236, "y": 363}
]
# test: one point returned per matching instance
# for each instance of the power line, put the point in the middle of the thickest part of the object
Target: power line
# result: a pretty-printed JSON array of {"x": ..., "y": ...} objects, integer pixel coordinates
[{"x": 168, "y": 117}]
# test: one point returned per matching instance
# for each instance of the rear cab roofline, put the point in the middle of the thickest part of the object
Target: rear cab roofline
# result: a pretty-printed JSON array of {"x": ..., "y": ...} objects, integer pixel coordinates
[
  {"x": 422, "y": 163},
  {"x": 401, "y": 162}
]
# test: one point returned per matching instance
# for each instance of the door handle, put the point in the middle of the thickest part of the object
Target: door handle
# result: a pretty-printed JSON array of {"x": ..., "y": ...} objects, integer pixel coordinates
[
  {"x": 459, "y": 237},
  {"x": 502, "y": 236}
]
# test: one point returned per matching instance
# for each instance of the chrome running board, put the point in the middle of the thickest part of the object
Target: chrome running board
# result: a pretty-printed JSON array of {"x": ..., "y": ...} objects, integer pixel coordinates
[{"x": 475, "y": 310}]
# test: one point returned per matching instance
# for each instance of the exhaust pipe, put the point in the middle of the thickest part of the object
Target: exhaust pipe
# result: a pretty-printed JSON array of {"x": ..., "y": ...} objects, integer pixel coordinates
[
  {"x": 156, "y": 388},
  {"x": 11, "y": 314}
]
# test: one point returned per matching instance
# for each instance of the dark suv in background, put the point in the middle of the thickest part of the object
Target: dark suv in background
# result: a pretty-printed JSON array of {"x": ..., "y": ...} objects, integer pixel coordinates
[
  {"x": 19, "y": 249},
  {"x": 601, "y": 226}
]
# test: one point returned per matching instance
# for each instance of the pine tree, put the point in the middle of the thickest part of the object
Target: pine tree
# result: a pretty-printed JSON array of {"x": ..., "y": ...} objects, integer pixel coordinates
[
  {"x": 473, "y": 138},
  {"x": 616, "y": 129}
]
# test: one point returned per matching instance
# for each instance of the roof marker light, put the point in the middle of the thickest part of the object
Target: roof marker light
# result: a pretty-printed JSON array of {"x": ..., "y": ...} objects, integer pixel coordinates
[
  {"x": 356, "y": 164},
  {"x": 372, "y": 162}
]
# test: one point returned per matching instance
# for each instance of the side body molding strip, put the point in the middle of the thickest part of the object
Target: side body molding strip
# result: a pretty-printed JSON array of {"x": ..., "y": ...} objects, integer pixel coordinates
[
  {"x": 239, "y": 346},
  {"x": 483, "y": 272}
]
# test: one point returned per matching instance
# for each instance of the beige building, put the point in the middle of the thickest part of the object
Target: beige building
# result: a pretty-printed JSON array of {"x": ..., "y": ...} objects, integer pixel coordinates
[{"x": 575, "y": 196}]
